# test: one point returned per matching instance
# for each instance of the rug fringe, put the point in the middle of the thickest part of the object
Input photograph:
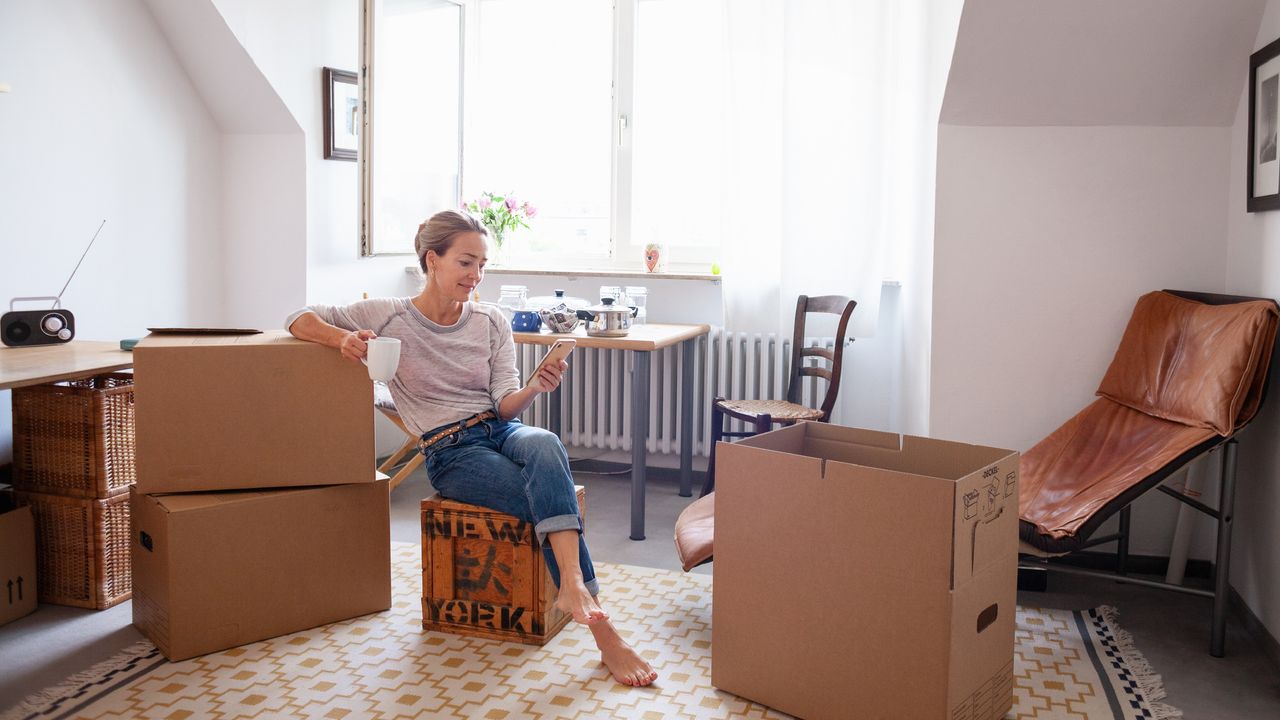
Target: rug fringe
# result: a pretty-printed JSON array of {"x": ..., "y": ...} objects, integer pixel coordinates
[
  {"x": 38, "y": 703},
  {"x": 1149, "y": 683}
]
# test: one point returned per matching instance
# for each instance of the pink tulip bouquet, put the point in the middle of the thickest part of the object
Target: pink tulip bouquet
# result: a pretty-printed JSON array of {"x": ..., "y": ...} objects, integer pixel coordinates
[{"x": 500, "y": 214}]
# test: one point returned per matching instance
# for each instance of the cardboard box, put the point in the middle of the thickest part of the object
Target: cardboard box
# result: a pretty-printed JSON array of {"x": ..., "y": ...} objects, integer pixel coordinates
[
  {"x": 865, "y": 574},
  {"x": 216, "y": 570},
  {"x": 17, "y": 564},
  {"x": 225, "y": 412}
]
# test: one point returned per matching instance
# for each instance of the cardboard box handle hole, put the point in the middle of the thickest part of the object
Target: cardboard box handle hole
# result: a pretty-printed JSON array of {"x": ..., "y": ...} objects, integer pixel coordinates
[{"x": 987, "y": 617}]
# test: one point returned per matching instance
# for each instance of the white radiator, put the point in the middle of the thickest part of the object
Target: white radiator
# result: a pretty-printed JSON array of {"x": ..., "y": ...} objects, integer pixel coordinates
[{"x": 596, "y": 394}]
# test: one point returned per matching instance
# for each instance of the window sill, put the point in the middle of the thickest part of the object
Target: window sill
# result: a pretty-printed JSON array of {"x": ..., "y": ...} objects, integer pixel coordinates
[{"x": 587, "y": 273}]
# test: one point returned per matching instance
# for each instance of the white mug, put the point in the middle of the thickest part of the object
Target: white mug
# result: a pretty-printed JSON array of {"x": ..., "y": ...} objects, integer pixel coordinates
[{"x": 382, "y": 358}]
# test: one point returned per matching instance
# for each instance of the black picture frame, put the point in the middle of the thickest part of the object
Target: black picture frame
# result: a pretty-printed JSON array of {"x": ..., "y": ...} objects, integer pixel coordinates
[
  {"x": 341, "y": 114},
  {"x": 1262, "y": 187}
]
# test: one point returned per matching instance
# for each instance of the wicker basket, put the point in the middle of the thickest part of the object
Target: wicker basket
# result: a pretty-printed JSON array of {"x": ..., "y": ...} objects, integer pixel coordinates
[
  {"x": 82, "y": 549},
  {"x": 75, "y": 437}
]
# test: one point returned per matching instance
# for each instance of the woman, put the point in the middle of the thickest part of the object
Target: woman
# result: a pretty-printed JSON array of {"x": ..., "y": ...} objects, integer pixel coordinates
[{"x": 458, "y": 389}]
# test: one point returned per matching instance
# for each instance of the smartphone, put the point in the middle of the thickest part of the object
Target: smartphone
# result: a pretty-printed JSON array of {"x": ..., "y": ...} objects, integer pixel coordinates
[{"x": 559, "y": 351}]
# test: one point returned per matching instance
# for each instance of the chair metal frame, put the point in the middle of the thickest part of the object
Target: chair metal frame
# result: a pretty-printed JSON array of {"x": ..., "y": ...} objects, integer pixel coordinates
[
  {"x": 1223, "y": 514},
  {"x": 825, "y": 304}
]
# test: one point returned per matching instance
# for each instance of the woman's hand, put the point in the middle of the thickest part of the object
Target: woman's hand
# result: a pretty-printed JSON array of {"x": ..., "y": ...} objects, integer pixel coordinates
[
  {"x": 548, "y": 377},
  {"x": 353, "y": 346}
]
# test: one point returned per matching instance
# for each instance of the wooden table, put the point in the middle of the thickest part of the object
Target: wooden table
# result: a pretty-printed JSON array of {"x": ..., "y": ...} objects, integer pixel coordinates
[
  {"x": 642, "y": 340},
  {"x": 22, "y": 366}
]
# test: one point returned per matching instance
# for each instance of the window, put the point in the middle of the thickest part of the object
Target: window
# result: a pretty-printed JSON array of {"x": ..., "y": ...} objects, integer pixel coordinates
[
  {"x": 410, "y": 156},
  {"x": 605, "y": 118}
]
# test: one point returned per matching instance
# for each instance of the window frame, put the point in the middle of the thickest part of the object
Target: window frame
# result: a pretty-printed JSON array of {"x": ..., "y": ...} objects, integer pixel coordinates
[{"x": 622, "y": 254}]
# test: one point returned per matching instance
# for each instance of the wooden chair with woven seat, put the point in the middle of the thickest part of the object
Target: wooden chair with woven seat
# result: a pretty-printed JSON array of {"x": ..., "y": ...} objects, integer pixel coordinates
[
  {"x": 762, "y": 415},
  {"x": 383, "y": 402}
]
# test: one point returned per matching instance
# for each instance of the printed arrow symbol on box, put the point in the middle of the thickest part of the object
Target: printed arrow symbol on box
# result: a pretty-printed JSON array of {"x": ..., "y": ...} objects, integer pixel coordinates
[
  {"x": 10, "y": 592},
  {"x": 19, "y": 587}
]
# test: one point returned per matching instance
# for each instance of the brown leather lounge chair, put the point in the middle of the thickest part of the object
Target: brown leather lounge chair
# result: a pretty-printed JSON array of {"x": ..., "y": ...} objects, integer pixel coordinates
[{"x": 1190, "y": 372}]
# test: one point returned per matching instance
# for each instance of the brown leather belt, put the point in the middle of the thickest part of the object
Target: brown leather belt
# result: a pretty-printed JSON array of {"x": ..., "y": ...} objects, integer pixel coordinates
[{"x": 459, "y": 426}]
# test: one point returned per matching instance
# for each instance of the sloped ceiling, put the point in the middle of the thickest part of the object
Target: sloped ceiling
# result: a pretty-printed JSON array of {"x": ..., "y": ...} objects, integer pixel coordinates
[
  {"x": 238, "y": 95},
  {"x": 1100, "y": 62}
]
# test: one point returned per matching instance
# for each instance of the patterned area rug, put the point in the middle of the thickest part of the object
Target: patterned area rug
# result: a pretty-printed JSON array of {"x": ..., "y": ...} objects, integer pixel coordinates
[{"x": 1068, "y": 665}]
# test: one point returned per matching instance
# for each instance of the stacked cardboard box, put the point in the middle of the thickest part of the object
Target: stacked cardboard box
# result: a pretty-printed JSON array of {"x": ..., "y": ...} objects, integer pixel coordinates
[
  {"x": 257, "y": 511},
  {"x": 73, "y": 466}
]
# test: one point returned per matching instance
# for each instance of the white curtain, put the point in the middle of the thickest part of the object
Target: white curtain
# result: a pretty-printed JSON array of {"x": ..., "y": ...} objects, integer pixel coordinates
[{"x": 831, "y": 152}]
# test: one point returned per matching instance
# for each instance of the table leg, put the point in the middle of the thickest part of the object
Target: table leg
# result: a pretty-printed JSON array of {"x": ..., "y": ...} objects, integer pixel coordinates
[
  {"x": 688, "y": 349},
  {"x": 639, "y": 436}
]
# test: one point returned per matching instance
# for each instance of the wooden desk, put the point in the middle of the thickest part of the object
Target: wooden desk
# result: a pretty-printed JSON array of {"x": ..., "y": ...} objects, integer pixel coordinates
[
  {"x": 24, "y": 366},
  {"x": 641, "y": 341}
]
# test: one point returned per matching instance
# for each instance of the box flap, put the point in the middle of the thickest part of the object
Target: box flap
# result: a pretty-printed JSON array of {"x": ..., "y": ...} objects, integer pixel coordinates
[
  {"x": 189, "y": 502},
  {"x": 787, "y": 439}
]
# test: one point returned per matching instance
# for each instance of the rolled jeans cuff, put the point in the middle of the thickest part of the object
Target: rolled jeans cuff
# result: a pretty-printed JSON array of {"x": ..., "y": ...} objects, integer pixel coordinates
[{"x": 556, "y": 523}]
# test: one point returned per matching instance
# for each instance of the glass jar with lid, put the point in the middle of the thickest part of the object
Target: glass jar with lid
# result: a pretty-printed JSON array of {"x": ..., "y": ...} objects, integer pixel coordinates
[
  {"x": 512, "y": 298},
  {"x": 637, "y": 297},
  {"x": 610, "y": 291}
]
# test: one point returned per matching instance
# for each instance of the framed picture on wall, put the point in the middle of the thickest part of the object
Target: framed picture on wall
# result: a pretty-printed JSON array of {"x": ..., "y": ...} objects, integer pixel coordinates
[
  {"x": 1263, "y": 185},
  {"x": 341, "y": 114}
]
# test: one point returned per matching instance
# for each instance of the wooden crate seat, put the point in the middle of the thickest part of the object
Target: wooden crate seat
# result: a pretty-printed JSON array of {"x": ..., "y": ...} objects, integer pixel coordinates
[{"x": 484, "y": 575}]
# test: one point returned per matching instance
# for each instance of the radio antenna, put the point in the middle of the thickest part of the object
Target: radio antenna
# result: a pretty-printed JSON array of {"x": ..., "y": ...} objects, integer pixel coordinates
[{"x": 73, "y": 272}]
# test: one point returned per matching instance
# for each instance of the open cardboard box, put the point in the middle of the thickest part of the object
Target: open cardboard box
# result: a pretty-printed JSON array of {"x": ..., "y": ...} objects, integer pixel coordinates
[
  {"x": 226, "y": 412},
  {"x": 216, "y": 570},
  {"x": 865, "y": 574}
]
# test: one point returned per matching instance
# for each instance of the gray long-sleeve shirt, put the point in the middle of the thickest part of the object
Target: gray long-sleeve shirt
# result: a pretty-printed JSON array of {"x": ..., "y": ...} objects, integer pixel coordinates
[{"x": 446, "y": 373}]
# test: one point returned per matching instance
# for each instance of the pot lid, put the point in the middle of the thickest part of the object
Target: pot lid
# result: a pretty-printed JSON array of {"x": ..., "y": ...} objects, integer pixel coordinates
[
  {"x": 607, "y": 306},
  {"x": 550, "y": 302}
]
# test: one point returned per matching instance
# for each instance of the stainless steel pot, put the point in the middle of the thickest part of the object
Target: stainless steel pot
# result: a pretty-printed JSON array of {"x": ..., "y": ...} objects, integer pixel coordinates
[{"x": 607, "y": 319}]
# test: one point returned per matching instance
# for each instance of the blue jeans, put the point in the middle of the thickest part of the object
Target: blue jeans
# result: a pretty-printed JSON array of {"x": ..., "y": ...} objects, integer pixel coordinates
[{"x": 515, "y": 469}]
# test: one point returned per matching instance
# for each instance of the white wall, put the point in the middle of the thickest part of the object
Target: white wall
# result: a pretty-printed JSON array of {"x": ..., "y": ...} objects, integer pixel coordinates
[
  {"x": 290, "y": 41},
  {"x": 263, "y": 160},
  {"x": 1253, "y": 268},
  {"x": 1045, "y": 238},
  {"x": 1122, "y": 177},
  {"x": 103, "y": 123},
  {"x": 265, "y": 210}
]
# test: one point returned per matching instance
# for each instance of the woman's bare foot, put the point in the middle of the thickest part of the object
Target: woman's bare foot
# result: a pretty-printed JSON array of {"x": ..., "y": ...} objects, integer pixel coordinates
[
  {"x": 624, "y": 663},
  {"x": 577, "y": 602}
]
